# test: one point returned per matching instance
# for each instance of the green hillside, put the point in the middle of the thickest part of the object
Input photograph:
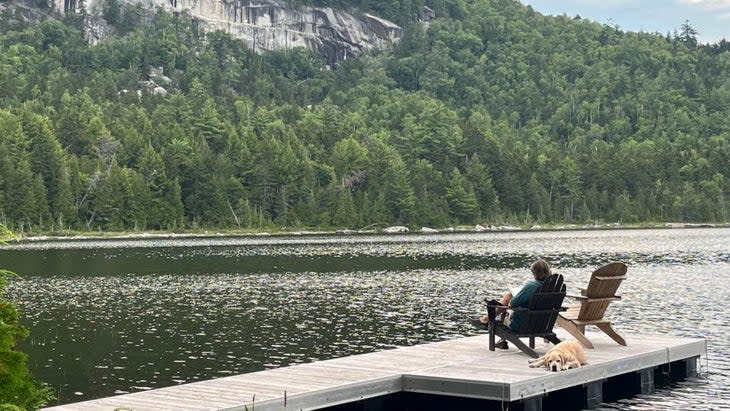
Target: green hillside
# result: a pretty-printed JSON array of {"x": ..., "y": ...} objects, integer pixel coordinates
[{"x": 491, "y": 114}]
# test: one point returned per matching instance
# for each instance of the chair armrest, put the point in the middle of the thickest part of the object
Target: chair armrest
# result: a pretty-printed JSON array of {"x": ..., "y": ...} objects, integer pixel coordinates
[
  {"x": 492, "y": 306},
  {"x": 527, "y": 309},
  {"x": 584, "y": 298},
  {"x": 494, "y": 303},
  {"x": 610, "y": 277},
  {"x": 591, "y": 300}
]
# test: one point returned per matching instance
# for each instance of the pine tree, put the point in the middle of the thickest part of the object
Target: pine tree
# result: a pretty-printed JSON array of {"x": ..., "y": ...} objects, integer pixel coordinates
[
  {"x": 462, "y": 200},
  {"x": 345, "y": 215},
  {"x": 432, "y": 208},
  {"x": 152, "y": 170},
  {"x": 47, "y": 161},
  {"x": 477, "y": 173},
  {"x": 398, "y": 193}
]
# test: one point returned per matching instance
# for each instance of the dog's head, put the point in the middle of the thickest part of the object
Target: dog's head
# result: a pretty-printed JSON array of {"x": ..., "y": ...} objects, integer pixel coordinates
[{"x": 554, "y": 361}]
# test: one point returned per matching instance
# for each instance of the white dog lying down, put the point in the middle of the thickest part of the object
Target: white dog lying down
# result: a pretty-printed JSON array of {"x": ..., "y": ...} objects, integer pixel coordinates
[{"x": 566, "y": 355}]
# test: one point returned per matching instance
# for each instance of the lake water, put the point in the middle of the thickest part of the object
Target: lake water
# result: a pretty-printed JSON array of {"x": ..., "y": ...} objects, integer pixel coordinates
[{"x": 116, "y": 316}]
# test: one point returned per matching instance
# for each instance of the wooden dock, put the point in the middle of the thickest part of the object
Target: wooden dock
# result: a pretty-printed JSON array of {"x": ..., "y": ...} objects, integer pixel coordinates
[{"x": 461, "y": 367}]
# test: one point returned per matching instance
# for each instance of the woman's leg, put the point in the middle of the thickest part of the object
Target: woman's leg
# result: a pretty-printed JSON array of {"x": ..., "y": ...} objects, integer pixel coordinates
[{"x": 506, "y": 298}]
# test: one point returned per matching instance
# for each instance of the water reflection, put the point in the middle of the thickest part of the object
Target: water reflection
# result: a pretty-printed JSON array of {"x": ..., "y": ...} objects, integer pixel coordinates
[{"x": 116, "y": 316}]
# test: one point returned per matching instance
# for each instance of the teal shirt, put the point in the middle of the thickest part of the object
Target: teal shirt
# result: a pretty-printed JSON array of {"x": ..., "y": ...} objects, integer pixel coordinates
[{"x": 522, "y": 299}]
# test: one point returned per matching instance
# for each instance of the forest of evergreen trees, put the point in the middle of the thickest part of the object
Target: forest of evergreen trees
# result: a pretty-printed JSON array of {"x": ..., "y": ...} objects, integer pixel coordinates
[{"x": 490, "y": 114}]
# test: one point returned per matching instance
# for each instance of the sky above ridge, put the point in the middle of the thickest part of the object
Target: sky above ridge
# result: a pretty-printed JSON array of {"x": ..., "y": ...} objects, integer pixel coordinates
[{"x": 711, "y": 18}]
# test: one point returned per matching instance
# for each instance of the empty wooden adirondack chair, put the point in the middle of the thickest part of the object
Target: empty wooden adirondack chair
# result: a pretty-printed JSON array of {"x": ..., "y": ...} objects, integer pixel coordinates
[
  {"x": 540, "y": 317},
  {"x": 592, "y": 304}
]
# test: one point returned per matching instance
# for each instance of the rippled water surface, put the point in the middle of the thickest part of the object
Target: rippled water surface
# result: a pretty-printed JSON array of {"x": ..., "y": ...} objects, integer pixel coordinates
[{"x": 110, "y": 317}]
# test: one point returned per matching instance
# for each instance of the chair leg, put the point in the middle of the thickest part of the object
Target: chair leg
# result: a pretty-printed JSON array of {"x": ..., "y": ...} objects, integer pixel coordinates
[
  {"x": 606, "y": 328},
  {"x": 574, "y": 330},
  {"x": 522, "y": 346},
  {"x": 506, "y": 335},
  {"x": 553, "y": 339}
]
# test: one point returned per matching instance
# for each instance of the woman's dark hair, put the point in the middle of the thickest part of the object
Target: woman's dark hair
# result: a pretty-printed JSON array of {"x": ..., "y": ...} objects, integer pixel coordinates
[{"x": 540, "y": 269}]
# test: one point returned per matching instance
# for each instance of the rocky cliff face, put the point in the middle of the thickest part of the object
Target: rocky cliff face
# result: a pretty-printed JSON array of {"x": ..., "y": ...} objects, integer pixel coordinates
[{"x": 271, "y": 24}]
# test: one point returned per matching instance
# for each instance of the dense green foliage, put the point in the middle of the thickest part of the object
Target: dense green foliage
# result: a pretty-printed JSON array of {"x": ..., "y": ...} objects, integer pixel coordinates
[
  {"x": 18, "y": 389},
  {"x": 492, "y": 113}
]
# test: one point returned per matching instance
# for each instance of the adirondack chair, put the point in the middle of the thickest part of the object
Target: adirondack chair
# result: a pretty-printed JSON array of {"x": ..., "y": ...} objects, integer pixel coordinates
[
  {"x": 539, "y": 317},
  {"x": 592, "y": 304}
]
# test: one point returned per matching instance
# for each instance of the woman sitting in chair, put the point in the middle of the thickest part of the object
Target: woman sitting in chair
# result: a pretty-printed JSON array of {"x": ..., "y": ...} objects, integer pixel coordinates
[{"x": 517, "y": 298}]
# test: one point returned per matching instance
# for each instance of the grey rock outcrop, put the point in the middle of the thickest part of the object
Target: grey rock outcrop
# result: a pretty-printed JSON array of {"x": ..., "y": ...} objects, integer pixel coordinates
[{"x": 272, "y": 24}]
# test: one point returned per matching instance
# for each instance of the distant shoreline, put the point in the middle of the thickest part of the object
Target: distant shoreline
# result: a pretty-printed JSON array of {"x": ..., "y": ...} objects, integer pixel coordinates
[{"x": 142, "y": 235}]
